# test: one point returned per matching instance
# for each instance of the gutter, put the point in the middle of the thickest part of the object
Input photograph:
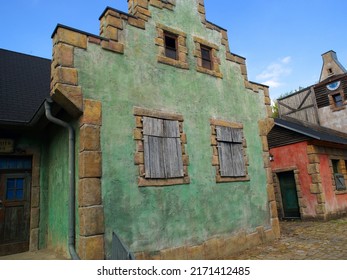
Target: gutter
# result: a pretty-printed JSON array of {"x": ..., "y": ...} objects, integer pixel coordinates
[{"x": 72, "y": 193}]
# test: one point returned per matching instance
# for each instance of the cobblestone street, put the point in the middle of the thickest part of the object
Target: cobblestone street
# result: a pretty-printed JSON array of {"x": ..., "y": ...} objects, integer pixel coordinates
[
  {"x": 304, "y": 241},
  {"x": 299, "y": 241}
]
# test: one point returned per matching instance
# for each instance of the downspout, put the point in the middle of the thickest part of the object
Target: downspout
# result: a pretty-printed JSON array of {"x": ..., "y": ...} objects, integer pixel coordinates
[{"x": 72, "y": 195}]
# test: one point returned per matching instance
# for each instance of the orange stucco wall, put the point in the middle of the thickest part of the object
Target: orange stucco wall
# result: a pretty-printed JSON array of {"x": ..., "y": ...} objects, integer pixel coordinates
[
  {"x": 295, "y": 156},
  {"x": 334, "y": 202}
]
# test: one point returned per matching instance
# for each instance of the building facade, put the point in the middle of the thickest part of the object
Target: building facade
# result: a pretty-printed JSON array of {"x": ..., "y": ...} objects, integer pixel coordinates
[
  {"x": 308, "y": 147},
  {"x": 170, "y": 148}
]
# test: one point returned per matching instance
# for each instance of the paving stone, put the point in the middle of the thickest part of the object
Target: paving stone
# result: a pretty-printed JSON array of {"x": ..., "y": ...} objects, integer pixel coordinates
[{"x": 313, "y": 240}]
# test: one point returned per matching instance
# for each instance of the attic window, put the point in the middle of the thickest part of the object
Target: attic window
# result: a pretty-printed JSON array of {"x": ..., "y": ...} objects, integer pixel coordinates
[
  {"x": 206, "y": 57},
  {"x": 171, "y": 46},
  {"x": 338, "y": 100},
  {"x": 330, "y": 71},
  {"x": 207, "y": 60}
]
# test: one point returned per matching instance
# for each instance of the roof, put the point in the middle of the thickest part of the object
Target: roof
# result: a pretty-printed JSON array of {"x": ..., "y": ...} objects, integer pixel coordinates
[
  {"x": 311, "y": 132},
  {"x": 24, "y": 85}
]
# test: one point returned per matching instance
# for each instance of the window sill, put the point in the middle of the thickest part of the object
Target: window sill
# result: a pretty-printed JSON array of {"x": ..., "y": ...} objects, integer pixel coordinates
[
  {"x": 142, "y": 182},
  {"x": 220, "y": 179},
  {"x": 340, "y": 192},
  {"x": 336, "y": 109},
  {"x": 209, "y": 72},
  {"x": 173, "y": 62}
]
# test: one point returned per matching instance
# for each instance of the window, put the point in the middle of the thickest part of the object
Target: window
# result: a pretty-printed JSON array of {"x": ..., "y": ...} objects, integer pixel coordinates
[
  {"x": 207, "y": 60},
  {"x": 338, "y": 177},
  {"x": 229, "y": 154},
  {"x": 161, "y": 154},
  {"x": 162, "y": 149},
  {"x": 171, "y": 46},
  {"x": 338, "y": 100},
  {"x": 15, "y": 189},
  {"x": 206, "y": 57}
]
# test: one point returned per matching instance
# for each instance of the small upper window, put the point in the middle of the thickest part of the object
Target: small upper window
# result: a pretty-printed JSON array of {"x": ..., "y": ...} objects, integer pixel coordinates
[
  {"x": 206, "y": 57},
  {"x": 330, "y": 71},
  {"x": 171, "y": 46},
  {"x": 338, "y": 100}
]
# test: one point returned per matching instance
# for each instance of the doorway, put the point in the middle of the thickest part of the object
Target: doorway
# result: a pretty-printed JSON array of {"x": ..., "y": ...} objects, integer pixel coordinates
[
  {"x": 15, "y": 187},
  {"x": 289, "y": 195}
]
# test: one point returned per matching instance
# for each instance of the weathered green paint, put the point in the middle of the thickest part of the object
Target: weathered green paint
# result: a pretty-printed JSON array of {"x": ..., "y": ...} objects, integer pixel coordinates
[
  {"x": 157, "y": 218},
  {"x": 55, "y": 188},
  {"x": 54, "y": 181}
]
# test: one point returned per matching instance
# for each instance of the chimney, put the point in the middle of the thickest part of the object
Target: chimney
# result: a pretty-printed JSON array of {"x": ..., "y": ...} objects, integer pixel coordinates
[{"x": 331, "y": 66}]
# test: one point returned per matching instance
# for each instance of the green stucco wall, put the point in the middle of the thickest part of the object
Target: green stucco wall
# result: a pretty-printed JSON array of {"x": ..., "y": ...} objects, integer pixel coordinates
[
  {"x": 150, "y": 219},
  {"x": 54, "y": 189}
]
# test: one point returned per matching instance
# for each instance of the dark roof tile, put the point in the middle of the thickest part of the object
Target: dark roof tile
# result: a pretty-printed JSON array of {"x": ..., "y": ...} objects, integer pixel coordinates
[{"x": 24, "y": 85}]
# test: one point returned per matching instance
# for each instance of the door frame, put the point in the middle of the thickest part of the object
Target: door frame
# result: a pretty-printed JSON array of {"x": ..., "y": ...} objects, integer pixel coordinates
[
  {"x": 34, "y": 223},
  {"x": 278, "y": 192}
]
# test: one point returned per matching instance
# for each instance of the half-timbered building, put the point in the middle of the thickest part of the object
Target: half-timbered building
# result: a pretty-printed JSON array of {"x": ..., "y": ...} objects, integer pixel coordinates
[{"x": 308, "y": 147}]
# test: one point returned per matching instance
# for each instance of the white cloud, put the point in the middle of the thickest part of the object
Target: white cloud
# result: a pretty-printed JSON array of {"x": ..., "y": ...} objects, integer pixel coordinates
[
  {"x": 275, "y": 72},
  {"x": 272, "y": 83},
  {"x": 286, "y": 60}
]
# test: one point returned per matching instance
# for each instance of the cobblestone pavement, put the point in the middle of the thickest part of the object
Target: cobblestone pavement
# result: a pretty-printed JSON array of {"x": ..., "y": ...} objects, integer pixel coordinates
[
  {"x": 37, "y": 255},
  {"x": 299, "y": 241},
  {"x": 304, "y": 241}
]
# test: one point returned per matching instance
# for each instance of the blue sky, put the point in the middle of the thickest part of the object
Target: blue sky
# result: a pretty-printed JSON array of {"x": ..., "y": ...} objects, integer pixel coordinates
[{"x": 282, "y": 40}]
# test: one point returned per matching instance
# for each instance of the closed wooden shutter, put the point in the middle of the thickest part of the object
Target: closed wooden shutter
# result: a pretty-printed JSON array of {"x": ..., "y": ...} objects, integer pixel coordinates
[
  {"x": 340, "y": 182},
  {"x": 162, "y": 149},
  {"x": 230, "y": 150}
]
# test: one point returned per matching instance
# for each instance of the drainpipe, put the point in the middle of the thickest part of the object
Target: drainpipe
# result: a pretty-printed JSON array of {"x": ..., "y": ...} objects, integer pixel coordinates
[{"x": 72, "y": 196}]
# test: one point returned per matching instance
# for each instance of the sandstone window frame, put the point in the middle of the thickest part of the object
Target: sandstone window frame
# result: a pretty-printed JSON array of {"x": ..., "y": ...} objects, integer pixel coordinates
[
  {"x": 181, "y": 60},
  {"x": 338, "y": 170},
  {"x": 144, "y": 180},
  {"x": 216, "y": 151},
  {"x": 333, "y": 102},
  {"x": 170, "y": 51},
  {"x": 206, "y": 57},
  {"x": 215, "y": 60}
]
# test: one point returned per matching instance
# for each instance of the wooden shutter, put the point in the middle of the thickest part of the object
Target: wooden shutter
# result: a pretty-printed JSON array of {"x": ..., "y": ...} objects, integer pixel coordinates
[
  {"x": 162, "y": 149},
  {"x": 340, "y": 182},
  {"x": 230, "y": 150}
]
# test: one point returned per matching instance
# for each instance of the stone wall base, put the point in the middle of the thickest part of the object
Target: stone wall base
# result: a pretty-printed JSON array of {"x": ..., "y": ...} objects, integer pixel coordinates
[{"x": 214, "y": 248}]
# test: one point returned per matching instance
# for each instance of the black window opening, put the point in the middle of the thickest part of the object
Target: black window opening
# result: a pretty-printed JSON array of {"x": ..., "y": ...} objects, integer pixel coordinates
[
  {"x": 338, "y": 100},
  {"x": 171, "y": 46},
  {"x": 230, "y": 150},
  {"x": 206, "y": 57},
  {"x": 162, "y": 149}
]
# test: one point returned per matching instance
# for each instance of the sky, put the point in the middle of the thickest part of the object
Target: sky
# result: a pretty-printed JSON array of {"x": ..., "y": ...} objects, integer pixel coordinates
[{"x": 282, "y": 40}]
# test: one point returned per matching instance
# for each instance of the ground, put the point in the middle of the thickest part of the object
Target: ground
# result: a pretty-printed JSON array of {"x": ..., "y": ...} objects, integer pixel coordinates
[
  {"x": 313, "y": 240},
  {"x": 304, "y": 241}
]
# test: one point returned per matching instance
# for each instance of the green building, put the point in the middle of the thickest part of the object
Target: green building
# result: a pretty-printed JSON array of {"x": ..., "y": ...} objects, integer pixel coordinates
[{"x": 169, "y": 152}]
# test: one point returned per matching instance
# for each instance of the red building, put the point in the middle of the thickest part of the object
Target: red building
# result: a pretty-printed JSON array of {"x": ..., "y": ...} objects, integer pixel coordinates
[{"x": 308, "y": 147}]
